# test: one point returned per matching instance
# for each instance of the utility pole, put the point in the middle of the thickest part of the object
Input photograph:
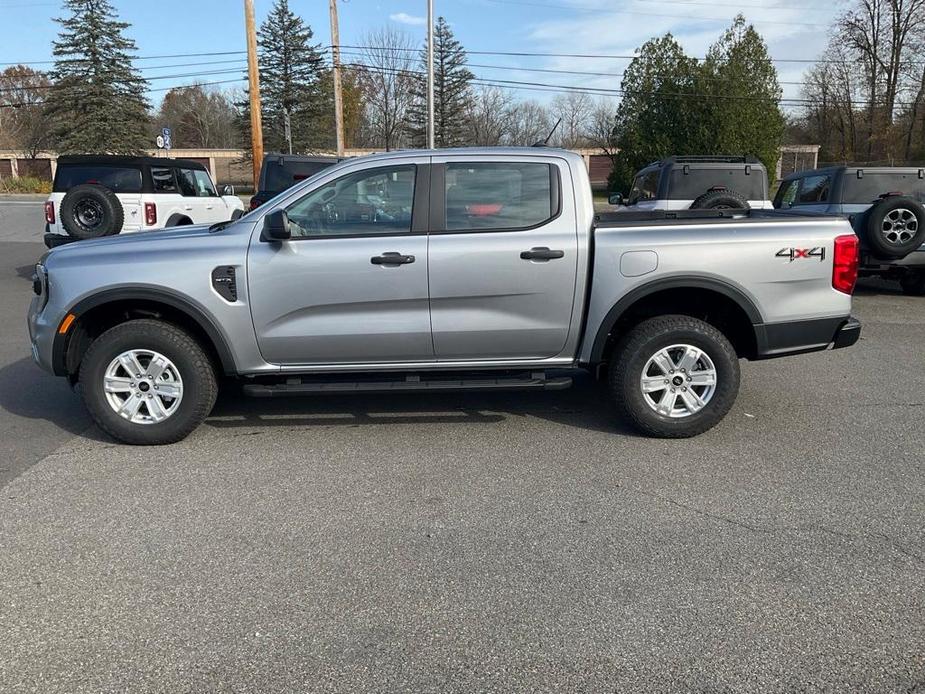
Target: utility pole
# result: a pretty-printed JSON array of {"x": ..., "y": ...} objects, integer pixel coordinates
[
  {"x": 338, "y": 92},
  {"x": 253, "y": 77},
  {"x": 430, "y": 74}
]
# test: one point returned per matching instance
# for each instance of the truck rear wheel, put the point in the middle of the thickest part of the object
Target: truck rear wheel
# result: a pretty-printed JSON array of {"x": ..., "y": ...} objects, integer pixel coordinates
[
  {"x": 674, "y": 376},
  {"x": 147, "y": 382}
]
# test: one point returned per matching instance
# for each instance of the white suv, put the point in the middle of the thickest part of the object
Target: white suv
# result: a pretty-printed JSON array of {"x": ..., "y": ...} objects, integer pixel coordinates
[{"x": 103, "y": 195}]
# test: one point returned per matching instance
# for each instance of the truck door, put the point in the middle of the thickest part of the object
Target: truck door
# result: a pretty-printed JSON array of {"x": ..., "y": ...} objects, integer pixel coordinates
[
  {"x": 350, "y": 286},
  {"x": 503, "y": 257}
]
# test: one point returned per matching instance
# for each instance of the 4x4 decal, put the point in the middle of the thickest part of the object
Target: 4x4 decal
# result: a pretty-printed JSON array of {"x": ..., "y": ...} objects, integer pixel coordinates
[{"x": 799, "y": 253}]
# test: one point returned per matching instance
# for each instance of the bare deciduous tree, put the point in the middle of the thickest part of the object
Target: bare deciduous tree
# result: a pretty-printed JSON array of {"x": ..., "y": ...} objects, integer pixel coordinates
[
  {"x": 387, "y": 80},
  {"x": 488, "y": 117},
  {"x": 575, "y": 110},
  {"x": 24, "y": 123}
]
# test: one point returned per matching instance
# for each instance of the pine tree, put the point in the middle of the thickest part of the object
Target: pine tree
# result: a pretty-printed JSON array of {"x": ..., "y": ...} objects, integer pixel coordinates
[
  {"x": 98, "y": 102},
  {"x": 292, "y": 85},
  {"x": 452, "y": 92}
]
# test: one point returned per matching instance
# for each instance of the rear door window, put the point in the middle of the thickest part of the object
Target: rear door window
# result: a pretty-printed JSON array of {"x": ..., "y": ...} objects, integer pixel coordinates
[
  {"x": 163, "y": 180},
  {"x": 501, "y": 196},
  {"x": 117, "y": 179},
  {"x": 814, "y": 190}
]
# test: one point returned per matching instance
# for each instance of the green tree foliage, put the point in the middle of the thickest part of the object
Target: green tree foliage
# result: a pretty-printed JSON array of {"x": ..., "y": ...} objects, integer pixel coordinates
[
  {"x": 728, "y": 103},
  {"x": 98, "y": 102},
  {"x": 292, "y": 81},
  {"x": 452, "y": 91},
  {"x": 743, "y": 97}
]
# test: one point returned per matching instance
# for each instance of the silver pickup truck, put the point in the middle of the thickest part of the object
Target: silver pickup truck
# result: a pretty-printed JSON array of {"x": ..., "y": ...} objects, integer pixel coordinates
[{"x": 446, "y": 270}]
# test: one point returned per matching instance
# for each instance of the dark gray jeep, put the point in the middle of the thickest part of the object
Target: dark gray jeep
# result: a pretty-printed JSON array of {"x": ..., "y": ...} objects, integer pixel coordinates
[{"x": 884, "y": 206}]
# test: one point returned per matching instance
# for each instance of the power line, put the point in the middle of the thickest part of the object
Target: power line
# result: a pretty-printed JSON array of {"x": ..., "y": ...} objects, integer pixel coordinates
[
  {"x": 603, "y": 91},
  {"x": 577, "y": 8},
  {"x": 600, "y": 56}
]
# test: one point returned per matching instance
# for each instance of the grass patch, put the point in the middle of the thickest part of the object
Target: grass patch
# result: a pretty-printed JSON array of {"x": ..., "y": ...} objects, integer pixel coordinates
[{"x": 24, "y": 184}]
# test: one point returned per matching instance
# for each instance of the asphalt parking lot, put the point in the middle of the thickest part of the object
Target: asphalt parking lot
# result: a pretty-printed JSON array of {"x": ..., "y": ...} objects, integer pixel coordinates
[{"x": 515, "y": 542}]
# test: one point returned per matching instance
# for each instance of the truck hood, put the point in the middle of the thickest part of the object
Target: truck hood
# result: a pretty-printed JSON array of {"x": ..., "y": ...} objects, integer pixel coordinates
[{"x": 137, "y": 238}]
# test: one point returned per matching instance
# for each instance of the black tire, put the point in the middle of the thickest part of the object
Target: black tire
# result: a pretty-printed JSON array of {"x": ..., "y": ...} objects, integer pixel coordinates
[
  {"x": 629, "y": 360},
  {"x": 199, "y": 386},
  {"x": 894, "y": 227},
  {"x": 913, "y": 283},
  {"x": 720, "y": 200},
  {"x": 236, "y": 214},
  {"x": 90, "y": 211}
]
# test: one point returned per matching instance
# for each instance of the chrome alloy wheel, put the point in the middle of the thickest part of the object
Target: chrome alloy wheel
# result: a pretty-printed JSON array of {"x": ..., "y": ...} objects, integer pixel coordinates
[
  {"x": 143, "y": 386},
  {"x": 900, "y": 225},
  {"x": 678, "y": 381}
]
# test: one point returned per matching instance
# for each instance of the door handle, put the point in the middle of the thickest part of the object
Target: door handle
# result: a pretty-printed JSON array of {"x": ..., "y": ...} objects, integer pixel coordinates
[
  {"x": 541, "y": 253},
  {"x": 391, "y": 258}
]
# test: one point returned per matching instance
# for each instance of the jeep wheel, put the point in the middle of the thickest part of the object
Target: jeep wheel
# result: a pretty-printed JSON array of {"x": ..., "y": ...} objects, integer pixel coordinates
[
  {"x": 895, "y": 227},
  {"x": 90, "y": 211},
  {"x": 913, "y": 283},
  {"x": 720, "y": 200},
  {"x": 674, "y": 376},
  {"x": 147, "y": 382}
]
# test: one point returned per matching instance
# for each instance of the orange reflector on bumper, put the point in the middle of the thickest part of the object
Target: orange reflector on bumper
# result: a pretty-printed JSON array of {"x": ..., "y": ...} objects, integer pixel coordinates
[{"x": 66, "y": 323}]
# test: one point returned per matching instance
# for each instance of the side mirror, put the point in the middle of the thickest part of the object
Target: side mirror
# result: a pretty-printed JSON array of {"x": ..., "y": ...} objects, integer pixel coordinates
[
  {"x": 228, "y": 190},
  {"x": 276, "y": 226},
  {"x": 615, "y": 199}
]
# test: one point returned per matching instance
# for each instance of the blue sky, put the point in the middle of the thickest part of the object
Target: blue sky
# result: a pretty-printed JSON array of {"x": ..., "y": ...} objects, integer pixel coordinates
[{"x": 793, "y": 29}]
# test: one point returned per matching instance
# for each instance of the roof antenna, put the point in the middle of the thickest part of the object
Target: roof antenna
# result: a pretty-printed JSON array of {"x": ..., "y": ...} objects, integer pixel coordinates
[{"x": 545, "y": 143}]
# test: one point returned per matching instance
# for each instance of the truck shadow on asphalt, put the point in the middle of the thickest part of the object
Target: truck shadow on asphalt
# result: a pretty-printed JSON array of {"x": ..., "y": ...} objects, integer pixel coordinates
[
  {"x": 586, "y": 405},
  {"x": 28, "y": 392}
]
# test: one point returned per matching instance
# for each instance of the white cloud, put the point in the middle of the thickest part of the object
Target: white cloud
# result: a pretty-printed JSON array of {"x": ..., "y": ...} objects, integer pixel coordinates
[{"x": 405, "y": 18}]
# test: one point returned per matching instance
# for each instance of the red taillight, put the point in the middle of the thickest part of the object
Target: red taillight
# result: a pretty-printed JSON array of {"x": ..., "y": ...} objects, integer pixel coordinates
[
  {"x": 845, "y": 263},
  {"x": 150, "y": 214},
  {"x": 254, "y": 203},
  {"x": 50, "y": 212}
]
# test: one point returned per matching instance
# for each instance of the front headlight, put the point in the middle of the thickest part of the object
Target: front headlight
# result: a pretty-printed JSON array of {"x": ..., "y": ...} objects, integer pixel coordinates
[{"x": 40, "y": 284}]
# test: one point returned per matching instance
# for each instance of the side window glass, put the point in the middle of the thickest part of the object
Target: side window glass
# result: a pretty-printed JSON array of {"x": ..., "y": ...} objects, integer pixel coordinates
[
  {"x": 204, "y": 186},
  {"x": 788, "y": 194},
  {"x": 186, "y": 182},
  {"x": 163, "y": 180},
  {"x": 374, "y": 201},
  {"x": 502, "y": 196},
  {"x": 650, "y": 186},
  {"x": 815, "y": 189}
]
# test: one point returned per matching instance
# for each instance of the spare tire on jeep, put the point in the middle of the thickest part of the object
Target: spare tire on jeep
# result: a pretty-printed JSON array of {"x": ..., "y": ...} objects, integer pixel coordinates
[
  {"x": 895, "y": 227},
  {"x": 720, "y": 199},
  {"x": 89, "y": 211}
]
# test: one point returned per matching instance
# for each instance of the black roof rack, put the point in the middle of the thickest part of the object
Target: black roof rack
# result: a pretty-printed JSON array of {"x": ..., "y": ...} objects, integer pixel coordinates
[{"x": 711, "y": 159}]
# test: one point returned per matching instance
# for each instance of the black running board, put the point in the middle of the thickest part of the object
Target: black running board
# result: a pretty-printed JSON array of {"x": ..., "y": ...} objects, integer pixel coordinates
[{"x": 292, "y": 386}]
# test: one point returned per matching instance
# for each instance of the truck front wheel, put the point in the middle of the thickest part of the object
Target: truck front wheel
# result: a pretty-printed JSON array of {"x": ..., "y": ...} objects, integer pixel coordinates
[
  {"x": 674, "y": 376},
  {"x": 147, "y": 382}
]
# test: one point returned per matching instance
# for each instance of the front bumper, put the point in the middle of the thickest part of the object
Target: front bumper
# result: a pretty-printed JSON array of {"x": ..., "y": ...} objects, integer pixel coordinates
[
  {"x": 798, "y": 337},
  {"x": 41, "y": 335}
]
